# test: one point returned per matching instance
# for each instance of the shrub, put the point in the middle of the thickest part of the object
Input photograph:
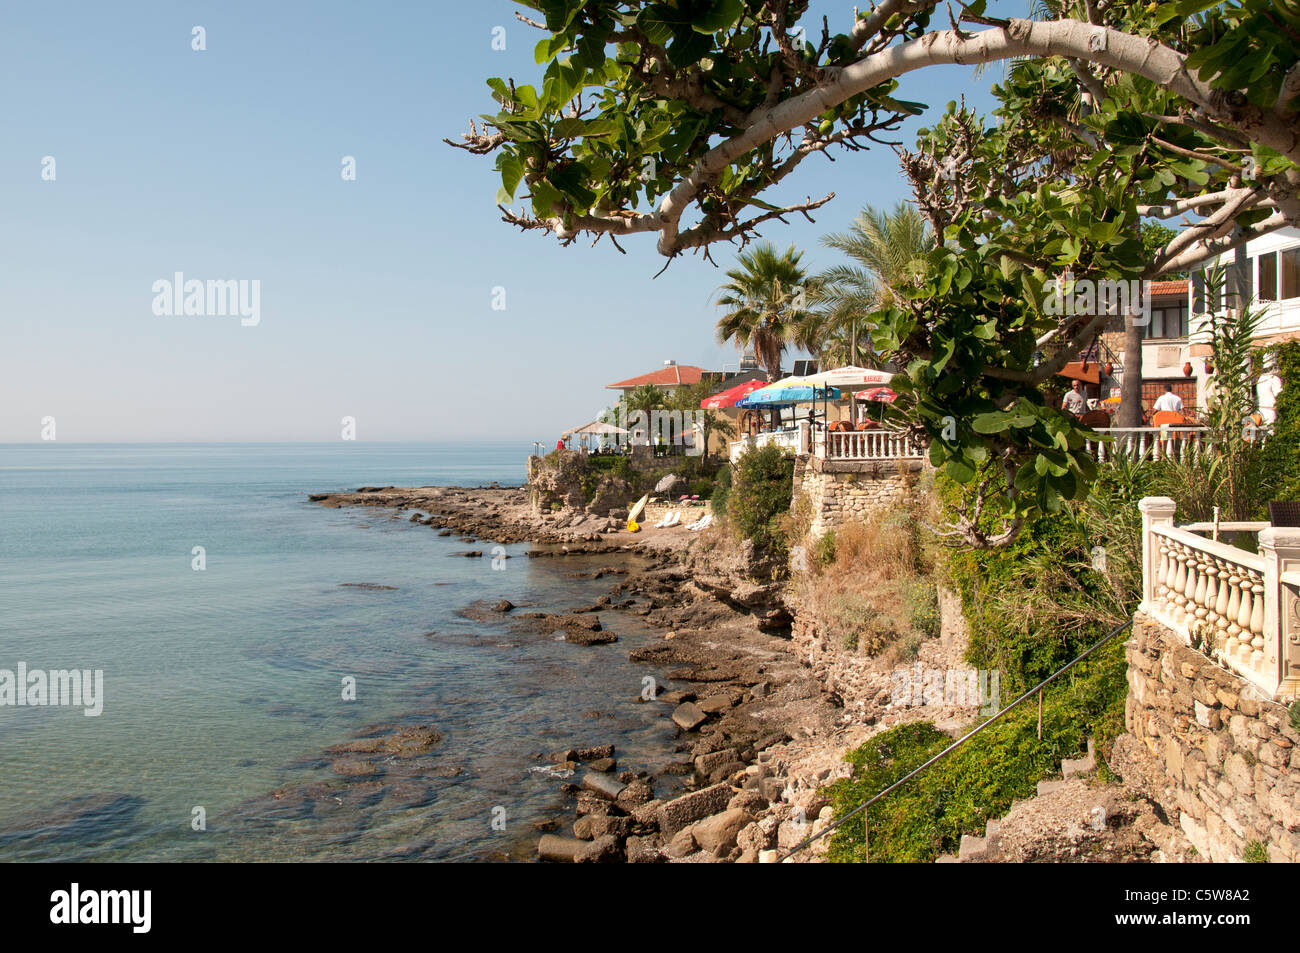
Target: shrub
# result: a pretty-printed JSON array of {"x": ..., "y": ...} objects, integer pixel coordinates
[
  {"x": 981, "y": 779},
  {"x": 1281, "y": 453},
  {"x": 762, "y": 488},
  {"x": 1256, "y": 852},
  {"x": 862, "y": 626},
  {"x": 1295, "y": 715},
  {"x": 921, "y": 601},
  {"x": 823, "y": 550},
  {"x": 721, "y": 491}
]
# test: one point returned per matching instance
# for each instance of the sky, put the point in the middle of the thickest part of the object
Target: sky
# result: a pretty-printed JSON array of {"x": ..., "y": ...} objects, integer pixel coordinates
[{"x": 376, "y": 294}]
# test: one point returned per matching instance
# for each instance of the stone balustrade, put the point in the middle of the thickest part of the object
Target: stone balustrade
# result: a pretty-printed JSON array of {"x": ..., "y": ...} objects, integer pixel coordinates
[{"x": 1240, "y": 608}]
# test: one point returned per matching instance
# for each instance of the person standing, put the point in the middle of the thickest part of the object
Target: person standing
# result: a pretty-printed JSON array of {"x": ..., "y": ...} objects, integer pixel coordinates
[
  {"x": 1169, "y": 401},
  {"x": 1075, "y": 401}
]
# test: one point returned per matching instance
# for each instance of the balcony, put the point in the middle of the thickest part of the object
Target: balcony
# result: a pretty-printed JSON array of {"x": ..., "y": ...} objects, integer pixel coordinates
[{"x": 1241, "y": 609}]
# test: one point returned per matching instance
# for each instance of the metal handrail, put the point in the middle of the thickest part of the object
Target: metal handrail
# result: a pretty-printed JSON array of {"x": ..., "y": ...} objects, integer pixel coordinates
[{"x": 956, "y": 744}]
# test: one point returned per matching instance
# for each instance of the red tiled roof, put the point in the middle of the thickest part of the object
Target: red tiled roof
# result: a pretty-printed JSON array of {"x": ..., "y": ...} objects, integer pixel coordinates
[
  {"x": 1176, "y": 287},
  {"x": 669, "y": 376}
]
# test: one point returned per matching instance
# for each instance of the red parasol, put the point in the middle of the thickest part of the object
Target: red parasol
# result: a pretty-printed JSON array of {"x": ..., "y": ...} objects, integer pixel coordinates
[{"x": 728, "y": 397}]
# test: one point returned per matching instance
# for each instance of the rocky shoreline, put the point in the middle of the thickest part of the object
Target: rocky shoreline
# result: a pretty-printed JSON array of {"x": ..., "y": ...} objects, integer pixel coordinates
[{"x": 755, "y": 733}]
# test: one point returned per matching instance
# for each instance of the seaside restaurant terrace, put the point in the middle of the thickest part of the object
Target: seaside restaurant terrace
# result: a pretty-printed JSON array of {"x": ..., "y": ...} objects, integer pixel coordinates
[{"x": 813, "y": 415}]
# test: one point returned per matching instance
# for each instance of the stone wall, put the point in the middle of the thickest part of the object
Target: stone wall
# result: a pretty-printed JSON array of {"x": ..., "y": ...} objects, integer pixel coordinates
[
  {"x": 838, "y": 491},
  {"x": 1231, "y": 758}
]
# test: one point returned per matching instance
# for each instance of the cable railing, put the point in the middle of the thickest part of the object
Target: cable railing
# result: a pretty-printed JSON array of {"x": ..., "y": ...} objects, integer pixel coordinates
[{"x": 807, "y": 842}]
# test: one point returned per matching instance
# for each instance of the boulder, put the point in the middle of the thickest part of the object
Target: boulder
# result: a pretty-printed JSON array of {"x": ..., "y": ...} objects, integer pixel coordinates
[
  {"x": 717, "y": 834},
  {"x": 688, "y": 716},
  {"x": 602, "y": 850},
  {"x": 684, "y": 811},
  {"x": 561, "y": 849}
]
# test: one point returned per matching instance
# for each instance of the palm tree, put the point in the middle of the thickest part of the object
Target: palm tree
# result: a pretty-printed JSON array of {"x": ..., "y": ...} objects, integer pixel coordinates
[
  {"x": 766, "y": 298},
  {"x": 887, "y": 251}
]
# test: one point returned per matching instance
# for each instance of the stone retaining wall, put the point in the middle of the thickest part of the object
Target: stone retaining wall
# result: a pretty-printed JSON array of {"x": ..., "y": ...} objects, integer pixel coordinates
[
  {"x": 838, "y": 491},
  {"x": 1231, "y": 759}
]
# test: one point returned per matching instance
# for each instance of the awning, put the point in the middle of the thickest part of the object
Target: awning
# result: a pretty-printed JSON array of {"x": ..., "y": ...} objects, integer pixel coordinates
[
  {"x": 1075, "y": 371},
  {"x": 780, "y": 394}
]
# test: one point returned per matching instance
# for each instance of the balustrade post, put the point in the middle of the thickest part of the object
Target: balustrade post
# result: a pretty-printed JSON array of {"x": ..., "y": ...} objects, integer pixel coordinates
[
  {"x": 1280, "y": 624},
  {"x": 1156, "y": 511}
]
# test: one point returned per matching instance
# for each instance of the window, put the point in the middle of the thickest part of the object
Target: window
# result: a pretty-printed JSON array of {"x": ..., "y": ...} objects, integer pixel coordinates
[
  {"x": 1290, "y": 277},
  {"x": 1266, "y": 286},
  {"x": 1167, "y": 322},
  {"x": 1184, "y": 387}
]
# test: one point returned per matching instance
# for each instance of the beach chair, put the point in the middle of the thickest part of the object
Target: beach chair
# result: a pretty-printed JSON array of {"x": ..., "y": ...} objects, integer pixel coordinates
[{"x": 674, "y": 518}]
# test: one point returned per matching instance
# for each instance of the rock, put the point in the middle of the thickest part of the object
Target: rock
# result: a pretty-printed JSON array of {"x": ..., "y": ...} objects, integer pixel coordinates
[
  {"x": 771, "y": 789},
  {"x": 602, "y": 850},
  {"x": 686, "y": 810},
  {"x": 602, "y": 786},
  {"x": 546, "y": 827},
  {"x": 647, "y": 814},
  {"x": 754, "y": 837},
  {"x": 644, "y": 850},
  {"x": 688, "y": 716},
  {"x": 469, "y": 553},
  {"x": 714, "y": 704},
  {"x": 590, "y": 638},
  {"x": 562, "y": 849},
  {"x": 603, "y": 765},
  {"x": 353, "y": 767},
  {"x": 636, "y": 794},
  {"x": 444, "y": 532},
  {"x": 594, "y": 753},
  {"x": 706, "y": 763},
  {"x": 505, "y": 605},
  {"x": 750, "y": 801},
  {"x": 619, "y": 827},
  {"x": 582, "y": 829},
  {"x": 718, "y": 833},
  {"x": 681, "y": 845}
]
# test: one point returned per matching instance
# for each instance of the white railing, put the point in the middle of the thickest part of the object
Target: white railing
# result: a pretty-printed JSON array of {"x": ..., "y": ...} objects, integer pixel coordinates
[
  {"x": 1238, "y": 607},
  {"x": 793, "y": 440},
  {"x": 868, "y": 445},
  {"x": 1153, "y": 443}
]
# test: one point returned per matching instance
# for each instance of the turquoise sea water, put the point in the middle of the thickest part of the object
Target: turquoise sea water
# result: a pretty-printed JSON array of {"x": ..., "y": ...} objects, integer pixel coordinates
[{"x": 224, "y": 685}]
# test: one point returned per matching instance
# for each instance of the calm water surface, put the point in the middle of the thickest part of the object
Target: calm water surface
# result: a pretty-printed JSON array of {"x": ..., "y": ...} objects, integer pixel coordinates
[{"x": 224, "y": 685}]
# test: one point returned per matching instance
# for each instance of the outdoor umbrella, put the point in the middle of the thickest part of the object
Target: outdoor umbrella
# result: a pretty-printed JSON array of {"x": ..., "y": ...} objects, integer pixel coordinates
[
  {"x": 882, "y": 394},
  {"x": 731, "y": 395},
  {"x": 848, "y": 377}
]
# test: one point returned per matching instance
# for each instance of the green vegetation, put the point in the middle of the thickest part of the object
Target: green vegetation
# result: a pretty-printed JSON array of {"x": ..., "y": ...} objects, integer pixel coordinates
[
  {"x": 762, "y": 487},
  {"x": 1256, "y": 852},
  {"x": 1294, "y": 715},
  {"x": 766, "y": 302},
  {"x": 721, "y": 491},
  {"x": 927, "y": 815},
  {"x": 1281, "y": 454},
  {"x": 1064, "y": 583}
]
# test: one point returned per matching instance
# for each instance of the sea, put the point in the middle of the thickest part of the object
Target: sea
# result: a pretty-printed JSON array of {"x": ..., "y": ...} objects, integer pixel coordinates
[{"x": 241, "y": 631}]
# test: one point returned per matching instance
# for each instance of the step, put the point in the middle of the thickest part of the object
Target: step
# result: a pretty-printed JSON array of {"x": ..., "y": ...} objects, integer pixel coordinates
[
  {"x": 972, "y": 848},
  {"x": 1075, "y": 766},
  {"x": 991, "y": 829},
  {"x": 947, "y": 859}
]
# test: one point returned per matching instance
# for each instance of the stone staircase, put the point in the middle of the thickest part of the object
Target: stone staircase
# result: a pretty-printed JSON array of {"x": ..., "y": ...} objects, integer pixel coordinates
[{"x": 974, "y": 849}]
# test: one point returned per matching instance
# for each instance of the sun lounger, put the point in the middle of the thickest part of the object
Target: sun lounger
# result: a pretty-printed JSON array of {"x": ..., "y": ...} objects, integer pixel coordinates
[
  {"x": 701, "y": 523},
  {"x": 674, "y": 518}
]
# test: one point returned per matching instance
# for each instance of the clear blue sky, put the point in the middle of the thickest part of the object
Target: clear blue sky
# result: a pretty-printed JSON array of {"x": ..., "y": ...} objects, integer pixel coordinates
[{"x": 375, "y": 294}]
